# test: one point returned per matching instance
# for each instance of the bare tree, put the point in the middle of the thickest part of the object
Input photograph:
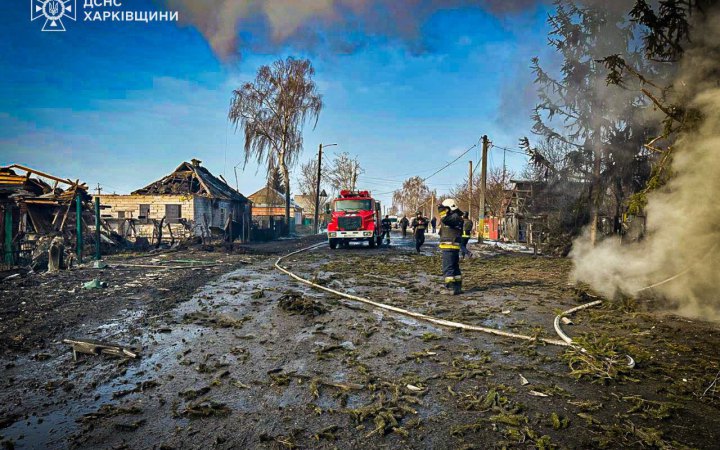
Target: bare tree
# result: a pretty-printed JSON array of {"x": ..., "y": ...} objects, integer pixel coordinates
[
  {"x": 272, "y": 111},
  {"x": 308, "y": 184},
  {"x": 498, "y": 182},
  {"x": 412, "y": 196},
  {"x": 553, "y": 159},
  {"x": 344, "y": 172}
]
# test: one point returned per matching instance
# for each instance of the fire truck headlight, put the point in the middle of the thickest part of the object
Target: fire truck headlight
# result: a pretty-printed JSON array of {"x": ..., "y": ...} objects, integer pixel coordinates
[
  {"x": 333, "y": 234},
  {"x": 367, "y": 233}
]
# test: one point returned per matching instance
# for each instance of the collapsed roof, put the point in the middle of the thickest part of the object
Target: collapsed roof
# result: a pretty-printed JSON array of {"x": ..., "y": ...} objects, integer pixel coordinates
[
  {"x": 35, "y": 190},
  {"x": 192, "y": 179}
]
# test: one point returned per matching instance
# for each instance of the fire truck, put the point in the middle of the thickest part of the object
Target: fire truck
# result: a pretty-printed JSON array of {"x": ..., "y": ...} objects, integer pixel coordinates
[{"x": 355, "y": 216}]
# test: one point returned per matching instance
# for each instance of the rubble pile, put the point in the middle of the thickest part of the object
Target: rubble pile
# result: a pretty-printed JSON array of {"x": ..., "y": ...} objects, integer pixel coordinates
[{"x": 36, "y": 215}]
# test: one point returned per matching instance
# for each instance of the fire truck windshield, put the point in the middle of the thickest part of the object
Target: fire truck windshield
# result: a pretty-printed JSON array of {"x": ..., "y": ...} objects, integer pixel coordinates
[{"x": 353, "y": 205}]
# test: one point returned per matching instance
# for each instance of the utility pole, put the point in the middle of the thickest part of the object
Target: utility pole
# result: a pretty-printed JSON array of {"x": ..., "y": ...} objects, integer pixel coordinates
[
  {"x": 432, "y": 204},
  {"x": 483, "y": 187},
  {"x": 316, "y": 222},
  {"x": 470, "y": 187}
]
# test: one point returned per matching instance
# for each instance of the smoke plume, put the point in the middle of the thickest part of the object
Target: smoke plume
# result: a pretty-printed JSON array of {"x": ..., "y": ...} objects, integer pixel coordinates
[
  {"x": 223, "y": 21},
  {"x": 680, "y": 256}
]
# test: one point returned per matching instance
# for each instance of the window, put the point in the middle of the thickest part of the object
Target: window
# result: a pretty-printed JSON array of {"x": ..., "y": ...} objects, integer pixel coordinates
[
  {"x": 172, "y": 213},
  {"x": 353, "y": 205},
  {"x": 222, "y": 217},
  {"x": 144, "y": 215},
  {"x": 121, "y": 214}
]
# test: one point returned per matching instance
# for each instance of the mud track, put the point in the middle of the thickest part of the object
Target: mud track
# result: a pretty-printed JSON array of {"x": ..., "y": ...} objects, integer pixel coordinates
[{"x": 254, "y": 360}]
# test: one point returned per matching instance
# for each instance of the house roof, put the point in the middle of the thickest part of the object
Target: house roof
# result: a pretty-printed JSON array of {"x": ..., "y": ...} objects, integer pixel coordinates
[
  {"x": 192, "y": 178},
  {"x": 269, "y": 196},
  {"x": 305, "y": 201}
]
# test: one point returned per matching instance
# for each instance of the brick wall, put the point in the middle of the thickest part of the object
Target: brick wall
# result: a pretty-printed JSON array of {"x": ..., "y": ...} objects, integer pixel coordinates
[{"x": 130, "y": 205}]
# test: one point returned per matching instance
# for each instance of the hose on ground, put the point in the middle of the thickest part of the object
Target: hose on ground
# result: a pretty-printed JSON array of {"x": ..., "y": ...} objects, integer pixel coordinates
[{"x": 416, "y": 315}]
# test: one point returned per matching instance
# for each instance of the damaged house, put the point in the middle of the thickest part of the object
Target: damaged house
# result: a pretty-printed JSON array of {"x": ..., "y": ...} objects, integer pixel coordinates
[
  {"x": 35, "y": 208},
  {"x": 188, "y": 202},
  {"x": 532, "y": 207}
]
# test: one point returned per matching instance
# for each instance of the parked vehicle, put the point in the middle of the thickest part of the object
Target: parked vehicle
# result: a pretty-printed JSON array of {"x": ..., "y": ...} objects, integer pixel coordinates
[{"x": 355, "y": 216}]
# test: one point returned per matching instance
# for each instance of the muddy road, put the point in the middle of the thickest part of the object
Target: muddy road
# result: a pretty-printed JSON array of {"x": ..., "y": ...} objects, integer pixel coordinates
[{"x": 251, "y": 359}]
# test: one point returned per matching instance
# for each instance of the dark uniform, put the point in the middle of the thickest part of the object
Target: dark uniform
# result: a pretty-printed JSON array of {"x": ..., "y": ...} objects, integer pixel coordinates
[
  {"x": 450, "y": 238},
  {"x": 433, "y": 222},
  {"x": 467, "y": 230},
  {"x": 404, "y": 222},
  {"x": 385, "y": 226},
  {"x": 419, "y": 225}
]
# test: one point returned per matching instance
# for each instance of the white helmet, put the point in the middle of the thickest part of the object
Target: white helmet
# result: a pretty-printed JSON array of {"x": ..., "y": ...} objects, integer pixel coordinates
[{"x": 450, "y": 203}]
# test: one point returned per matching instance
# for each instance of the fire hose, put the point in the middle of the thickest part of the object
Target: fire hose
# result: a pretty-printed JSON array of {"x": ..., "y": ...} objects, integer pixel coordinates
[{"x": 565, "y": 341}]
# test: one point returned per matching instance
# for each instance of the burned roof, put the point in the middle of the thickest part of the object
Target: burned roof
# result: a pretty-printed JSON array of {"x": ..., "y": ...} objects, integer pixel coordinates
[
  {"x": 30, "y": 187},
  {"x": 192, "y": 179}
]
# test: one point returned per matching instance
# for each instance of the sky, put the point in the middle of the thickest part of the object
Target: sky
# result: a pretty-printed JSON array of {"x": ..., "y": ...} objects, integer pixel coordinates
[{"x": 121, "y": 104}]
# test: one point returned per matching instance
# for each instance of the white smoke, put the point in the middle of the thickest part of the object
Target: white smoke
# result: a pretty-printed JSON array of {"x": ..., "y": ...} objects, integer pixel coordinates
[{"x": 680, "y": 256}]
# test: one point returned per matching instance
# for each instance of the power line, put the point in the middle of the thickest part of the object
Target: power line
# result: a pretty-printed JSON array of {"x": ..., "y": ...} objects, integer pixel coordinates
[
  {"x": 439, "y": 170},
  {"x": 450, "y": 163},
  {"x": 508, "y": 149}
]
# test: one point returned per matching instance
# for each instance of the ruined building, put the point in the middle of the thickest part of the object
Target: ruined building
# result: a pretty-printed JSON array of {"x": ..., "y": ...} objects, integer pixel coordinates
[
  {"x": 188, "y": 202},
  {"x": 36, "y": 207}
]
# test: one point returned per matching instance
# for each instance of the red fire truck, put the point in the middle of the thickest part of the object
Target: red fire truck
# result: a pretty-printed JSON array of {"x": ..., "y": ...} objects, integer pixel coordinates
[{"x": 355, "y": 217}]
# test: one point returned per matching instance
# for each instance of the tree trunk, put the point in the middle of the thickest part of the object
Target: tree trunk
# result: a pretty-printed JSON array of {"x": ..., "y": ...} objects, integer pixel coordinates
[
  {"x": 595, "y": 196},
  {"x": 286, "y": 176}
]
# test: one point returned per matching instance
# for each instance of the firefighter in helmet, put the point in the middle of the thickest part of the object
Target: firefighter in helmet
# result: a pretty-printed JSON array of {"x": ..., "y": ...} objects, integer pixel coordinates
[
  {"x": 419, "y": 225},
  {"x": 451, "y": 230}
]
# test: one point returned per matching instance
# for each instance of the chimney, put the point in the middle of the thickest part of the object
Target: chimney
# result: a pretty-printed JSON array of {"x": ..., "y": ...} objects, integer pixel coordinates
[{"x": 195, "y": 162}]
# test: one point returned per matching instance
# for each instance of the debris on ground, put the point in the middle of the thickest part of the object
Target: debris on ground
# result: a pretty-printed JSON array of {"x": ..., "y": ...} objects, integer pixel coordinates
[
  {"x": 95, "y": 284},
  {"x": 98, "y": 348},
  {"x": 296, "y": 303}
]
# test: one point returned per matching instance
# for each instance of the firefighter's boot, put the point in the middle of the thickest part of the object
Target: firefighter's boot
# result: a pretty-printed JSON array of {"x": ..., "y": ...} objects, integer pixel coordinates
[
  {"x": 457, "y": 288},
  {"x": 450, "y": 283},
  {"x": 457, "y": 285}
]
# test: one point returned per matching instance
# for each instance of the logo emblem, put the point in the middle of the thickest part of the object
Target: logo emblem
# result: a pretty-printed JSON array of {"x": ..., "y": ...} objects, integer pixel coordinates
[{"x": 53, "y": 11}]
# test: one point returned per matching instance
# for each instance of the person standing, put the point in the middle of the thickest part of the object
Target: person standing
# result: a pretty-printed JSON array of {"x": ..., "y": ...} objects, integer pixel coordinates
[
  {"x": 451, "y": 230},
  {"x": 433, "y": 222},
  {"x": 404, "y": 222},
  {"x": 385, "y": 226},
  {"x": 467, "y": 231},
  {"x": 419, "y": 225}
]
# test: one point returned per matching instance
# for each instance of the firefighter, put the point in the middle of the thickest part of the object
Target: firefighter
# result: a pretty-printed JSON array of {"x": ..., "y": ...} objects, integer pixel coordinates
[
  {"x": 385, "y": 226},
  {"x": 451, "y": 229},
  {"x": 467, "y": 230},
  {"x": 419, "y": 225},
  {"x": 433, "y": 222},
  {"x": 404, "y": 222}
]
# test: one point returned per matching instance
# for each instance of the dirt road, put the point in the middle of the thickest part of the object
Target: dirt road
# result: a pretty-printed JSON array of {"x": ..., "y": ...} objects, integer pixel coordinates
[{"x": 254, "y": 360}]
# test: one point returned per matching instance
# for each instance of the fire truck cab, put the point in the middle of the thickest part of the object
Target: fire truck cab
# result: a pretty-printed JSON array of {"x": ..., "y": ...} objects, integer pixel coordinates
[{"x": 355, "y": 216}]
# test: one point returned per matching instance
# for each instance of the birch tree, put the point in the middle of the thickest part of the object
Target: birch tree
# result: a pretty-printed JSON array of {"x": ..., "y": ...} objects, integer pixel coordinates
[{"x": 272, "y": 111}]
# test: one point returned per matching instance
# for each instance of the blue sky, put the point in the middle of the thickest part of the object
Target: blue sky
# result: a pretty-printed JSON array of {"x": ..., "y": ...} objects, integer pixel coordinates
[{"x": 122, "y": 104}]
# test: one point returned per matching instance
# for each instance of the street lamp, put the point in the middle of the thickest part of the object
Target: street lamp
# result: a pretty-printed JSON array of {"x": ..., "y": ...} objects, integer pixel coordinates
[{"x": 317, "y": 187}]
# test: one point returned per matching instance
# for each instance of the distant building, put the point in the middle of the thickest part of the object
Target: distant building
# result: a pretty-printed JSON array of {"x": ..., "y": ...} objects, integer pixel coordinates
[
  {"x": 190, "y": 201},
  {"x": 269, "y": 211},
  {"x": 307, "y": 203}
]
